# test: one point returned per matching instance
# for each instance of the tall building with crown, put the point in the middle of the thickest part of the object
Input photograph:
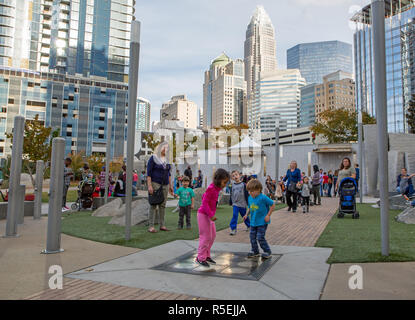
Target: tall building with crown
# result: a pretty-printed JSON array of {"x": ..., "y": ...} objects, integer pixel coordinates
[
  {"x": 260, "y": 53},
  {"x": 224, "y": 93}
]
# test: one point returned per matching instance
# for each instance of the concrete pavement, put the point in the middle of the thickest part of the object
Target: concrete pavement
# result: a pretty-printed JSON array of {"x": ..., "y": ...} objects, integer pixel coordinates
[
  {"x": 381, "y": 281},
  {"x": 24, "y": 271}
]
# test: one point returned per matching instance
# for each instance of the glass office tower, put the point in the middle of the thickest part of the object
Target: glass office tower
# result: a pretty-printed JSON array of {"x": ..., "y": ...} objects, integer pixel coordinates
[
  {"x": 143, "y": 115},
  {"x": 400, "y": 67},
  {"x": 307, "y": 105},
  {"x": 277, "y": 101},
  {"x": 68, "y": 62},
  {"x": 77, "y": 106},
  {"x": 317, "y": 59}
]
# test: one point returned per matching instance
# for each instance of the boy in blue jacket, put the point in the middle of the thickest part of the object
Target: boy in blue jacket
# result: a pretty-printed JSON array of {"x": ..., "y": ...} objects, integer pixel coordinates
[{"x": 239, "y": 201}]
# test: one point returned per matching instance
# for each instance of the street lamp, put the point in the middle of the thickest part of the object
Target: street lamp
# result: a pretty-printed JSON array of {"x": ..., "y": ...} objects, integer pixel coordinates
[
  {"x": 108, "y": 152},
  {"x": 379, "y": 55}
]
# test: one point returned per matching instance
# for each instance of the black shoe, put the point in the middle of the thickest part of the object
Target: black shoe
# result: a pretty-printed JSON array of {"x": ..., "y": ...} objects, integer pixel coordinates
[
  {"x": 203, "y": 263},
  {"x": 289, "y": 209},
  {"x": 294, "y": 210},
  {"x": 210, "y": 260},
  {"x": 253, "y": 255}
]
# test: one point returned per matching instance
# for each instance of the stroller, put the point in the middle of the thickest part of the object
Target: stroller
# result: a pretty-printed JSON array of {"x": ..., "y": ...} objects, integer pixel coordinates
[
  {"x": 86, "y": 189},
  {"x": 347, "y": 193}
]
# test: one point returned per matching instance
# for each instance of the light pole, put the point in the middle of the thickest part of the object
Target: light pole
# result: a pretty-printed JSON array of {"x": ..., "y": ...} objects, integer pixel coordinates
[
  {"x": 108, "y": 152},
  {"x": 360, "y": 133},
  {"x": 15, "y": 171},
  {"x": 53, "y": 241},
  {"x": 379, "y": 53},
  {"x": 132, "y": 108},
  {"x": 277, "y": 152}
]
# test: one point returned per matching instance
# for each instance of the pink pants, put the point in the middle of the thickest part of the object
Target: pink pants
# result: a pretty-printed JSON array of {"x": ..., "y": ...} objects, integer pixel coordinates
[{"x": 207, "y": 235}]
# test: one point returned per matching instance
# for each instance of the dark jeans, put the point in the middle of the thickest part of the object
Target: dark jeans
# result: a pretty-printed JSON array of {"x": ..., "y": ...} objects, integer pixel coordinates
[
  {"x": 102, "y": 192},
  {"x": 185, "y": 211},
  {"x": 306, "y": 202},
  {"x": 65, "y": 192},
  {"x": 256, "y": 235},
  {"x": 236, "y": 212},
  {"x": 292, "y": 199},
  {"x": 329, "y": 191}
]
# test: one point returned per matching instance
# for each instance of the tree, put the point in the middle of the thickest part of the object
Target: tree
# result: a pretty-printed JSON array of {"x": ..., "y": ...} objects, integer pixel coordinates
[
  {"x": 37, "y": 144},
  {"x": 96, "y": 162},
  {"x": 410, "y": 115},
  {"x": 340, "y": 125},
  {"x": 77, "y": 163},
  {"x": 116, "y": 165}
]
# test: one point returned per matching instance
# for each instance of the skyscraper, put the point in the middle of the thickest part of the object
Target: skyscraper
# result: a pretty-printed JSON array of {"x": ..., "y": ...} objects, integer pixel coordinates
[
  {"x": 277, "y": 101},
  {"x": 400, "y": 61},
  {"x": 86, "y": 37},
  {"x": 317, "y": 59},
  {"x": 66, "y": 61},
  {"x": 224, "y": 93},
  {"x": 181, "y": 109},
  {"x": 143, "y": 115},
  {"x": 260, "y": 52}
]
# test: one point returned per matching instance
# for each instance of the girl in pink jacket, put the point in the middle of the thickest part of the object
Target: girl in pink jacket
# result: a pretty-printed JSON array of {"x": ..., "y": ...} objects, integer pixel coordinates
[{"x": 206, "y": 217}]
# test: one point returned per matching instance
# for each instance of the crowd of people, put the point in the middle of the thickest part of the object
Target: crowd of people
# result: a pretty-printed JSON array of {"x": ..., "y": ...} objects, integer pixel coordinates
[{"x": 116, "y": 182}]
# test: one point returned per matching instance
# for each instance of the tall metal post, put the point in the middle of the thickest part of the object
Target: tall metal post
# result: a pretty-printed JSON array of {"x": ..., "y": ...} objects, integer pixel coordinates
[
  {"x": 277, "y": 153},
  {"x": 360, "y": 134},
  {"x": 379, "y": 52},
  {"x": 53, "y": 242},
  {"x": 108, "y": 152},
  {"x": 20, "y": 209},
  {"x": 15, "y": 171},
  {"x": 132, "y": 108},
  {"x": 37, "y": 214}
]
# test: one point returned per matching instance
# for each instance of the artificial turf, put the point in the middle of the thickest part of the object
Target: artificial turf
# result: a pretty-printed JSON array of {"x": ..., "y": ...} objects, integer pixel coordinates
[
  {"x": 84, "y": 225},
  {"x": 359, "y": 240}
]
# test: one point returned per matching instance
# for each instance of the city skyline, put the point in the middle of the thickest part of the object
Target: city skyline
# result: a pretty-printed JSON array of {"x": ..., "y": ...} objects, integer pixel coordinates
[{"x": 174, "y": 56}]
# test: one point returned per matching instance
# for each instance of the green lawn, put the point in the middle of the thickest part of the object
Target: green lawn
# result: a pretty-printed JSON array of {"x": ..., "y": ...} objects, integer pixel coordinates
[
  {"x": 83, "y": 225},
  {"x": 360, "y": 240},
  {"x": 71, "y": 196}
]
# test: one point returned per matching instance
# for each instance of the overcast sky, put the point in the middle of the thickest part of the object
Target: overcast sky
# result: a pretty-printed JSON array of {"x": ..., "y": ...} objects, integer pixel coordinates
[{"x": 179, "y": 38}]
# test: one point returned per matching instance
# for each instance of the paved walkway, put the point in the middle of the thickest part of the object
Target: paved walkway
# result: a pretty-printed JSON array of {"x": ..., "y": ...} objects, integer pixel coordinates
[
  {"x": 287, "y": 228},
  {"x": 24, "y": 271},
  {"x": 77, "y": 289},
  {"x": 290, "y": 229}
]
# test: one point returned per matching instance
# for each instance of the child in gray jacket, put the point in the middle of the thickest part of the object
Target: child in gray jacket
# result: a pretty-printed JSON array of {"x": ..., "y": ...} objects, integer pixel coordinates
[{"x": 305, "y": 194}]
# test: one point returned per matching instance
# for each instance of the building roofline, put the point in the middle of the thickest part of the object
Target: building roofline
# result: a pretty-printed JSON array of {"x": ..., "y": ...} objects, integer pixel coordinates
[{"x": 392, "y": 7}]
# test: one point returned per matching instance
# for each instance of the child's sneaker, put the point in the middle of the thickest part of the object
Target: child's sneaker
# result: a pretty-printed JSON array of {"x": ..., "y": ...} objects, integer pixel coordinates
[
  {"x": 210, "y": 260},
  {"x": 233, "y": 232},
  {"x": 266, "y": 255},
  {"x": 253, "y": 255},
  {"x": 202, "y": 263}
]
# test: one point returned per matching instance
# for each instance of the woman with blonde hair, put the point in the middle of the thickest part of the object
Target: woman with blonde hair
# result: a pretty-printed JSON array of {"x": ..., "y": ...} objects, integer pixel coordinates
[
  {"x": 293, "y": 177},
  {"x": 159, "y": 177}
]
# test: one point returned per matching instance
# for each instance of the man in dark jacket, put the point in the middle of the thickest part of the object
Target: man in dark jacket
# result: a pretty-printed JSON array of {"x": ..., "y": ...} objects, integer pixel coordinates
[{"x": 188, "y": 172}]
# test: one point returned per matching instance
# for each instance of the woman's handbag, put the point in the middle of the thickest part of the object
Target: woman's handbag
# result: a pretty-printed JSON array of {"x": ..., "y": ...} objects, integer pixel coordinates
[
  {"x": 292, "y": 187},
  {"x": 157, "y": 197}
]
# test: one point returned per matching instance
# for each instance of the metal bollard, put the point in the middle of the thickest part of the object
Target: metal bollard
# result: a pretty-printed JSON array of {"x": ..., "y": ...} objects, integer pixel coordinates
[
  {"x": 15, "y": 171},
  {"x": 53, "y": 242},
  {"x": 37, "y": 214},
  {"x": 20, "y": 209}
]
